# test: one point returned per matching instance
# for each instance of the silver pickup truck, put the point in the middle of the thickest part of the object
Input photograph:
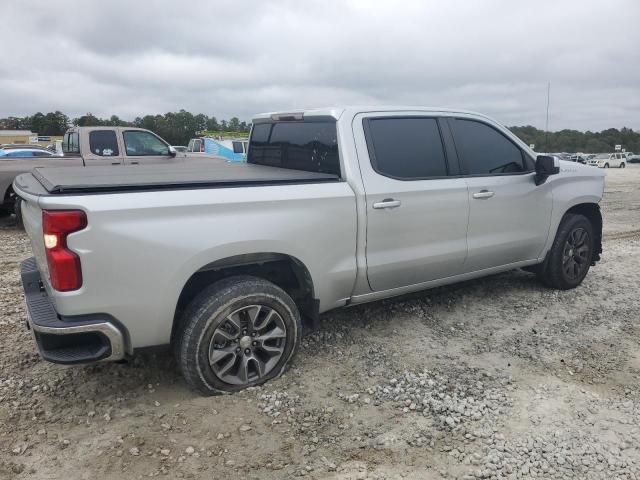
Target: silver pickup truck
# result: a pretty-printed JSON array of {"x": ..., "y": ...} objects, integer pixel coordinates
[
  {"x": 87, "y": 147},
  {"x": 334, "y": 207}
]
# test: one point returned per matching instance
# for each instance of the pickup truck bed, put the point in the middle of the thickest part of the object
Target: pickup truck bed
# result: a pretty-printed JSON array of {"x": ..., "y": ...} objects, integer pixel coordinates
[{"x": 53, "y": 181}]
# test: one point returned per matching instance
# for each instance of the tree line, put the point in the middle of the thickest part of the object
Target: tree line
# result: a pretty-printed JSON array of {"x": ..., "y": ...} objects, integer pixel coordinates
[
  {"x": 175, "y": 127},
  {"x": 178, "y": 127},
  {"x": 576, "y": 141}
]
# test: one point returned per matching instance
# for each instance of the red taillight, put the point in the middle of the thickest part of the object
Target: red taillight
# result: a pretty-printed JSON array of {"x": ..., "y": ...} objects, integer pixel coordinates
[{"x": 64, "y": 265}]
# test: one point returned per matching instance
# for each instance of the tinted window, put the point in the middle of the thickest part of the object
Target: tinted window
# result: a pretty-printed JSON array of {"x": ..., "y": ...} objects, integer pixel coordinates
[
  {"x": 237, "y": 147},
  {"x": 20, "y": 154},
  {"x": 406, "y": 148},
  {"x": 103, "y": 143},
  {"x": 42, "y": 153},
  {"x": 71, "y": 143},
  {"x": 308, "y": 146},
  {"x": 138, "y": 143},
  {"x": 484, "y": 150}
]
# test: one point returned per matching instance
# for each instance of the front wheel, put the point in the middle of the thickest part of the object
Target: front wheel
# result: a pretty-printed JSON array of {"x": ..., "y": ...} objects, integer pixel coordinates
[
  {"x": 571, "y": 254},
  {"x": 239, "y": 332}
]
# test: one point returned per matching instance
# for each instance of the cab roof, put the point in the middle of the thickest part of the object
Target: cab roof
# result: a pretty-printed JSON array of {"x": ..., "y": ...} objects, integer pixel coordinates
[{"x": 337, "y": 112}]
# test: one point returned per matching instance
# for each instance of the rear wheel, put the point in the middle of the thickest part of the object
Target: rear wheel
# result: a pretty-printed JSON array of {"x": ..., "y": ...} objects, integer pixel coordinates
[
  {"x": 570, "y": 256},
  {"x": 606, "y": 165},
  {"x": 239, "y": 332},
  {"x": 622, "y": 165}
]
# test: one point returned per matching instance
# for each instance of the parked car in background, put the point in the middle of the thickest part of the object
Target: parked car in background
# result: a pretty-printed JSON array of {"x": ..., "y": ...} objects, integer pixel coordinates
[
  {"x": 28, "y": 152},
  {"x": 562, "y": 156},
  {"x": 334, "y": 207},
  {"x": 578, "y": 157},
  {"x": 608, "y": 160},
  {"x": 11, "y": 146},
  {"x": 88, "y": 147},
  {"x": 633, "y": 158}
]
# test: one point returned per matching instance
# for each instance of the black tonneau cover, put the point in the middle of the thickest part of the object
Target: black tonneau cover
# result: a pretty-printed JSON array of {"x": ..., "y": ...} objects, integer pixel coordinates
[{"x": 68, "y": 180}]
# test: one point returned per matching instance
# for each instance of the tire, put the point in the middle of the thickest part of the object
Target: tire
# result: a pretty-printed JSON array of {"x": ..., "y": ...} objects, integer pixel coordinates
[
  {"x": 606, "y": 165},
  {"x": 560, "y": 270},
  {"x": 17, "y": 209},
  {"x": 622, "y": 165},
  {"x": 252, "y": 328}
]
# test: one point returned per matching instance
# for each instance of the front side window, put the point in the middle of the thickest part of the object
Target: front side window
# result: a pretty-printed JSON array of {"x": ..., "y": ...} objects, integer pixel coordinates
[
  {"x": 484, "y": 150},
  {"x": 308, "y": 146},
  {"x": 71, "y": 143},
  {"x": 406, "y": 148},
  {"x": 103, "y": 143},
  {"x": 138, "y": 143}
]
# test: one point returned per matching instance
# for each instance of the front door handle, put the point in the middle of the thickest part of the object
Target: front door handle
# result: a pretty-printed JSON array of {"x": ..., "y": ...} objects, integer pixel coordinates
[
  {"x": 483, "y": 194},
  {"x": 387, "y": 203}
]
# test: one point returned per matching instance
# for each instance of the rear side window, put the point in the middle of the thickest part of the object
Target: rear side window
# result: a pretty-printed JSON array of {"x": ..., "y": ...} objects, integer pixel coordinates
[
  {"x": 139, "y": 143},
  {"x": 20, "y": 154},
  {"x": 307, "y": 146},
  {"x": 484, "y": 150},
  {"x": 42, "y": 154},
  {"x": 237, "y": 147},
  {"x": 103, "y": 143},
  {"x": 71, "y": 143},
  {"x": 406, "y": 148},
  {"x": 194, "y": 145}
]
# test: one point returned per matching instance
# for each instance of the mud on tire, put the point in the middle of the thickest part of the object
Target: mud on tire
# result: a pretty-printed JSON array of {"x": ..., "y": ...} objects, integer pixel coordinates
[
  {"x": 239, "y": 332},
  {"x": 571, "y": 254}
]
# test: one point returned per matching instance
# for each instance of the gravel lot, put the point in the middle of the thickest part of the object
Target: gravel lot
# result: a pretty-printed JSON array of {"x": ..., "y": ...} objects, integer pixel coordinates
[{"x": 496, "y": 378}]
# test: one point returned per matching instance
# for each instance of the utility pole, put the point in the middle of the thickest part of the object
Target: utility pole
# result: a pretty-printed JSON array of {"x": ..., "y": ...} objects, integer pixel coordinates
[{"x": 546, "y": 126}]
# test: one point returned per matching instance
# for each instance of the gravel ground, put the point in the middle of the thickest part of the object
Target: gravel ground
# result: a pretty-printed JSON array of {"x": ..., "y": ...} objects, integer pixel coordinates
[{"x": 496, "y": 378}]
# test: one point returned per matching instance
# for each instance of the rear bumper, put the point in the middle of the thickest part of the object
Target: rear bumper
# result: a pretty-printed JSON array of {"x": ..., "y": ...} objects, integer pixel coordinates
[{"x": 68, "y": 340}]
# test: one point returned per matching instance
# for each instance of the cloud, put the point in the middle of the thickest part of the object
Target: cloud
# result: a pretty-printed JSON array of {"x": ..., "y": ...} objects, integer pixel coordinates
[{"x": 229, "y": 58}]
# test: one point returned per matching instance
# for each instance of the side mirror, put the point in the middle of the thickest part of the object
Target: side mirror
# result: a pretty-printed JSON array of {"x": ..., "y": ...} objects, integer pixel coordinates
[
  {"x": 545, "y": 166},
  {"x": 172, "y": 151}
]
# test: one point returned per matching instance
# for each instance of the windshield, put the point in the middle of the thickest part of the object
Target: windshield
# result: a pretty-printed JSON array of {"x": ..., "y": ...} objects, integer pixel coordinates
[{"x": 308, "y": 146}]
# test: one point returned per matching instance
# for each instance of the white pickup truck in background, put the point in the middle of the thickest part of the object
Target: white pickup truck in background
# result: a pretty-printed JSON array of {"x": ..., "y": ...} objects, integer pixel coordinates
[{"x": 334, "y": 207}]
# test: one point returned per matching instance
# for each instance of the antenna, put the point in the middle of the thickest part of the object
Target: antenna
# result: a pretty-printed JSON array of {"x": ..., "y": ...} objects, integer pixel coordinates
[{"x": 546, "y": 126}]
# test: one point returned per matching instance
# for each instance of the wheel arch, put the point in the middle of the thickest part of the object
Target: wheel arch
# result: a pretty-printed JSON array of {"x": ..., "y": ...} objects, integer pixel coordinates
[
  {"x": 285, "y": 271},
  {"x": 7, "y": 196},
  {"x": 593, "y": 214}
]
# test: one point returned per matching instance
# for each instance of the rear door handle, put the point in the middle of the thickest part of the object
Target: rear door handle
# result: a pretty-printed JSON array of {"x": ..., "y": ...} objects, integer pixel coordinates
[
  {"x": 387, "y": 203},
  {"x": 483, "y": 194}
]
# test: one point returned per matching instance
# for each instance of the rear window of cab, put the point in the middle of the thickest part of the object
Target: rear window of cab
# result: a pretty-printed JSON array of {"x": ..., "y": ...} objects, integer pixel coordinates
[{"x": 308, "y": 146}]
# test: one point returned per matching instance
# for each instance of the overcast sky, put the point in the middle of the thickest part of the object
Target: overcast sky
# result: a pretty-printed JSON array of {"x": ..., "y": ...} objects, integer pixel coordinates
[{"x": 237, "y": 58}]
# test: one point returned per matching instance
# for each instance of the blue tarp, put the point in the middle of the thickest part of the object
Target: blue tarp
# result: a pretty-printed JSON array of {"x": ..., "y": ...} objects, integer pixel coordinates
[{"x": 216, "y": 148}]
